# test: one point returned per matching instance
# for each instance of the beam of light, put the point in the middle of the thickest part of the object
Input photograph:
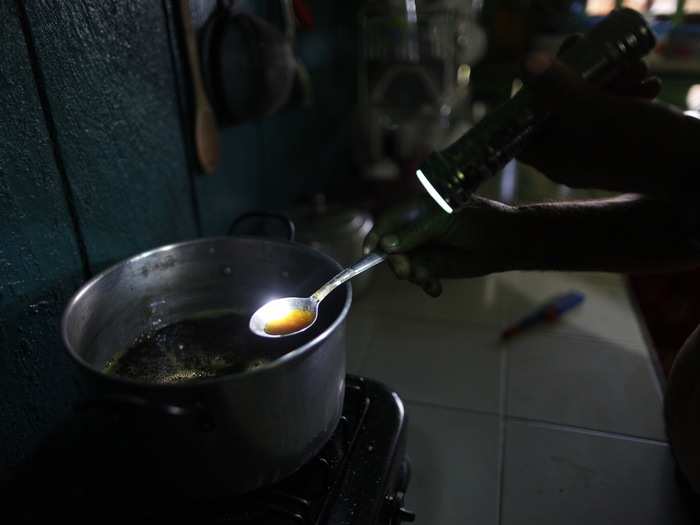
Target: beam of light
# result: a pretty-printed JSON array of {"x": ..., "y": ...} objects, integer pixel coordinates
[
  {"x": 433, "y": 192},
  {"x": 276, "y": 309}
]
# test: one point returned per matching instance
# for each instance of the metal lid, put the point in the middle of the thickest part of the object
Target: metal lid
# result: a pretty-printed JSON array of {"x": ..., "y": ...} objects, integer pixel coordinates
[{"x": 321, "y": 221}]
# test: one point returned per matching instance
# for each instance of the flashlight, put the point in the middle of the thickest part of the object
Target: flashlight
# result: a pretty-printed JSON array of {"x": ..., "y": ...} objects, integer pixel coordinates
[{"x": 452, "y": 176}]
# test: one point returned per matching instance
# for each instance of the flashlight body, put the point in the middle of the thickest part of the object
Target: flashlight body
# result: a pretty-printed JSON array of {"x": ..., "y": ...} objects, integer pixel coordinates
[{"x": 621, "y": 38}]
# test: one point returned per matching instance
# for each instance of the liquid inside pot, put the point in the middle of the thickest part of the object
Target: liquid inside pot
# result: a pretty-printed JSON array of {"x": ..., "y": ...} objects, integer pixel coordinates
[{"x": 195, "y": 349}]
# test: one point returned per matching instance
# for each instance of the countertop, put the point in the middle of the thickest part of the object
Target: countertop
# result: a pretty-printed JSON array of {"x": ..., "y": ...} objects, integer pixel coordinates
[{"x": 563, "y": 424}]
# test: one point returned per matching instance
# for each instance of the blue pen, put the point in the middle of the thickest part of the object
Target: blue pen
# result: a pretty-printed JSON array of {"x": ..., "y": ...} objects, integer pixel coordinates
[{"x": 550, "y": 312}]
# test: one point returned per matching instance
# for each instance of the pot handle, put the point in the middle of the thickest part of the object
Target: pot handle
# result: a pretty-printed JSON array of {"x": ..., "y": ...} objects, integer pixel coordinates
[
  {"x": 268, "y": 216},
  {"x": 120, "y": 401}
]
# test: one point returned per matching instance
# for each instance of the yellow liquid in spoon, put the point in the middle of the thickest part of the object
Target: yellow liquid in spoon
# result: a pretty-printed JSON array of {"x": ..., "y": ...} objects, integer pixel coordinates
[{"x": 291, "y": 322}]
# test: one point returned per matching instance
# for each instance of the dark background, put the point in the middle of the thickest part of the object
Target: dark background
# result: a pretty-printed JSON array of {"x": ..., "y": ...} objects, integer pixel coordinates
[{"x": 96, "y": 165}]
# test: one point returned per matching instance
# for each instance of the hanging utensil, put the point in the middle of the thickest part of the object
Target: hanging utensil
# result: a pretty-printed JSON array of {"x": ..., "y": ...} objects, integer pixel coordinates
[
  {"x": 206, "y": 132},
  {"x": 250, "y": 68}
]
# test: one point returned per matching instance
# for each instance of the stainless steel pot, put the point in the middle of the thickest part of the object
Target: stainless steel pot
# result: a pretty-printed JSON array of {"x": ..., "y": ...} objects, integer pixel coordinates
[{"x": 232, "y": 433}]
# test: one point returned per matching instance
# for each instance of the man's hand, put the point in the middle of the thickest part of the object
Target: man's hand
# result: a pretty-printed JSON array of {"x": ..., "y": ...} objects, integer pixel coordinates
[
  {"x": 426, "y": 244},
  {"x": 613, "y": 138}
]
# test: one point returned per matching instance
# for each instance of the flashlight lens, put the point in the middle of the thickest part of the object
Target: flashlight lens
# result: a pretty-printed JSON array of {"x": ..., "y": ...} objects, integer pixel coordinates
[{"x": 433, "y": 192}]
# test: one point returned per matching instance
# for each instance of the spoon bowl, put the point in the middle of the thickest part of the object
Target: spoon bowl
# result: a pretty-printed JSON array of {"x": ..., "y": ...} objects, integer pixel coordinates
[
  {"x": 289, "y": 315},
  {"x": 292, "y": 315}
]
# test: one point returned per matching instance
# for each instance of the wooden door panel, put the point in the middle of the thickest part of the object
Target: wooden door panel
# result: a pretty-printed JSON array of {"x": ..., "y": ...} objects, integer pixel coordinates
[
  {"x": 108, "y": 76},
  {"x": 40, "y": 263}
]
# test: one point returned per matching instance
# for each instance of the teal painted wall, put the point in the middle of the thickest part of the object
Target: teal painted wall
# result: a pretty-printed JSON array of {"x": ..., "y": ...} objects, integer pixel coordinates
[
  {"x": 96, "y": 165},
  {"x": 298, "y": 151},
  {"x": 40, "y": 263}
]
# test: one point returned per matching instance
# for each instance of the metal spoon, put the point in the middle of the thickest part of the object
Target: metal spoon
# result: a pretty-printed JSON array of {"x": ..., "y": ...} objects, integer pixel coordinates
[{"x": 279, "y": 309}]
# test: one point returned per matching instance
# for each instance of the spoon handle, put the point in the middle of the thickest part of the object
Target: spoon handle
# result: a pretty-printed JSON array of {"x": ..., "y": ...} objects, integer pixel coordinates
[{"x": 364, "y": 264}]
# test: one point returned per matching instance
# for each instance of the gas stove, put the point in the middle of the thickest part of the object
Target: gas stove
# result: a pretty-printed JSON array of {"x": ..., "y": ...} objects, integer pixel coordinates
[{"x": 359, "y": 477}]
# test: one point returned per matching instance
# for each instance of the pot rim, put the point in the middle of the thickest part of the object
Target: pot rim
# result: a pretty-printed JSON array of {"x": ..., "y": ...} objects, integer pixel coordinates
[{"x": 285, "y": 359}]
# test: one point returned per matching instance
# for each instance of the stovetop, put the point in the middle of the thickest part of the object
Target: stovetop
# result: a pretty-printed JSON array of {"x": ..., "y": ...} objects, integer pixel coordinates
[{"x": 359, "y": 477}]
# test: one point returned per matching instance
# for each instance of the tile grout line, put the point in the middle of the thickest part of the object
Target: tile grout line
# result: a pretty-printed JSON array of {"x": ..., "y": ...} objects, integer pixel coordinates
[
  {"x": 428, "y": 404},
  {"x": 429, "y": 319},
  {"x": 502, "y": 433},
  {"x": 654, "y": 363},
  {"x": 489, "y": 325},
  {"x": 561, "y": 333},
  {"x": 587, "y": 431},
  {"x": 504, "y": 418},
  {"x": 534, "y": 422}
]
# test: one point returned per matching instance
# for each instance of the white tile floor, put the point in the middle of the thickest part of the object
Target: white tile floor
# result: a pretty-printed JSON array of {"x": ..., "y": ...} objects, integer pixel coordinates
[{"x": 562, "y": 425}]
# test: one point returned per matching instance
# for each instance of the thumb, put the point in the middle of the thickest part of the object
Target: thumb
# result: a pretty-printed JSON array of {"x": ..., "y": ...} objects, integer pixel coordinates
[
  {"x": 568, "y": 43},
  {"x": 429, "y": 228},
  {"x": 554, "y": 84}
]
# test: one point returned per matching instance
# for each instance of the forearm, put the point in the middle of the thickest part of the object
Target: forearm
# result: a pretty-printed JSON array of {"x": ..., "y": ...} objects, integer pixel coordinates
[
  {"x": 627, "y": 234},
  {"x": 622, "y": 145},
  {"x": 662, "y": 144}
]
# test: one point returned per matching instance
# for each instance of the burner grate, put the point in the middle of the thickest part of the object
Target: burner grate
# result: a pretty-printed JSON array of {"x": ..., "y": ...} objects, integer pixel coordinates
[
  {"x": 351, "y": 479},
  {"x": 303, "y": 498}
]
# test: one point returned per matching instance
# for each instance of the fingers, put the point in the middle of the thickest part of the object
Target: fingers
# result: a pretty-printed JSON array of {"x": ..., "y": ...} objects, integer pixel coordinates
[
  {"x": 400, "y": 265},
  {"x": 418, "y": 233},
  {"x": 400, "y": 233},
  {"x": 427, "y": 266},
  {"x": 557, "y": 86},
  {"x": 370, "y": 243},
  {"x": 568, "y": 43},
  {"x": 635, "y": 80},
  {"x": 627, "y": 81},
  {"x": 553, "y": 83},
  {"x": 412, "y": 270},
  {"x": 629, "y": 76},
  {"x": 650, "y": 88},
  {"x": 422, "y": 276},
  {"x": 433, "y": 288},
  {"x": 395, "y": 219}
]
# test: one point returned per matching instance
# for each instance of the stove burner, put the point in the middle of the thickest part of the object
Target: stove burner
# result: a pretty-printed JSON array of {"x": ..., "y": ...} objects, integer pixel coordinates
[{"x": 359, "y": 477}]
